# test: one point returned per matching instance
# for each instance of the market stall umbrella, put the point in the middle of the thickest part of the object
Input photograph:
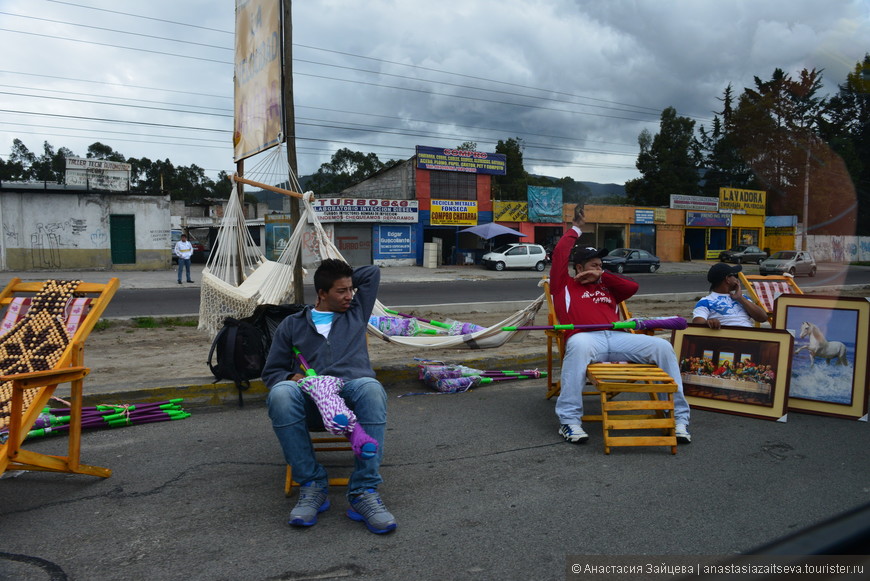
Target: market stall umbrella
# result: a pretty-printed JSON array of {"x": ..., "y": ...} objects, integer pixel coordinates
[{"x": 491, "y": 230}]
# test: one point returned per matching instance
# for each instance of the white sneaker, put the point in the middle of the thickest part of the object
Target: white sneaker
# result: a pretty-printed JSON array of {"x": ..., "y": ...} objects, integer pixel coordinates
[
  {"x": 573, "y": 433},
  {"x": 682, "y": 433}
]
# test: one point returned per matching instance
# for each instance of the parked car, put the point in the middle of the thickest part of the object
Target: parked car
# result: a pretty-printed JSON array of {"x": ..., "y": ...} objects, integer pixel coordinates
[
  {"x": 789, "y": 261},
  {"x": 516, "y": 255},
  {"x": 630, "y": 260},
  {"x": 200, "y": 253},
  {"x": 743, "y": 253}
]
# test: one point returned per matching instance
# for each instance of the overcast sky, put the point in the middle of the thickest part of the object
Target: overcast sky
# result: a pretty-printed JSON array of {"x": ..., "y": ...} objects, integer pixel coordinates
[{"x": 576, "y": 80}]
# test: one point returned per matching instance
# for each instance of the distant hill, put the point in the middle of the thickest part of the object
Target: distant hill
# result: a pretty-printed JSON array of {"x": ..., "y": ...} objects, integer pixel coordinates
[
  {"x": 604, "y": 192},
  {"x": 588, "y": 192}
]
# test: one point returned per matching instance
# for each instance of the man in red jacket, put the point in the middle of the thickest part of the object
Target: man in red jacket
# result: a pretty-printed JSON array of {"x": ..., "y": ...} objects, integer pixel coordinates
[{"x": 592, "y": 295}]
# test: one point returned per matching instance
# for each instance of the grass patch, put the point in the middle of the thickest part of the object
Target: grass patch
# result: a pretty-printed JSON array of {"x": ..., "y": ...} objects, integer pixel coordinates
[
  {"x": 103, "y": 324},
  {"x": 164, "y": 322}
]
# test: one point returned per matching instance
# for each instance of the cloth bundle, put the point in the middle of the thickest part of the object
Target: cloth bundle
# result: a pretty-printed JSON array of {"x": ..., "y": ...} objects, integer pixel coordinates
[
  {"x": 451, "y": 378},
  {"x": 399, "y": 327}
]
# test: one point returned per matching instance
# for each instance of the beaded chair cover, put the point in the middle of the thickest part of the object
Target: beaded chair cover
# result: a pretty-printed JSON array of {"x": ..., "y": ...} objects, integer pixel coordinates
[{"x": 37, "y": 342}]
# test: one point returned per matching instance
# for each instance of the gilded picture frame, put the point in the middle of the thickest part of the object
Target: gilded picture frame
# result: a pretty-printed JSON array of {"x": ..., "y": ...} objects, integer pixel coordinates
[
  {"x": 735, "y": 370},
  {"x": 829, "y": 373}
]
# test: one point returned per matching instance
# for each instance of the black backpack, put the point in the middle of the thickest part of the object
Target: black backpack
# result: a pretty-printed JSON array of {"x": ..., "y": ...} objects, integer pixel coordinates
[
  {"x": 241, "y": 350},
  {"x": 242, "y": 345}
]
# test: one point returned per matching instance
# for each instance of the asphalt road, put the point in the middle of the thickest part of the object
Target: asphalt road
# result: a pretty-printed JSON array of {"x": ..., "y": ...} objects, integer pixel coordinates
[
  {"x": 482, "y": 486},
  {"x": 184, "y": 300}
]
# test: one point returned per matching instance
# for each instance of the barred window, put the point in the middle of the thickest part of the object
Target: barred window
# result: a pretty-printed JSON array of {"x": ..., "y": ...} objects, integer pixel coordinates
[{"x": 452, "y": 185}]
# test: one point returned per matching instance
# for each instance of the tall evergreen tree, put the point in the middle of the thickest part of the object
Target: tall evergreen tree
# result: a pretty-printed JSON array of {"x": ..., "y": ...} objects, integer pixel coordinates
[
  {"x": 848, "y": 133},
  {"x": 668, "y": 162},
  {"x": 514, "y": 184},
  {"x": 723, "y": 166}
]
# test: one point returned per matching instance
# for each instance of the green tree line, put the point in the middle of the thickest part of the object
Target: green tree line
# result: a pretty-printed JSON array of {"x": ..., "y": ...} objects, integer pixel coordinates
[
  {"x": 187, "y": 183},
  {"x": 780, "y": 136}
]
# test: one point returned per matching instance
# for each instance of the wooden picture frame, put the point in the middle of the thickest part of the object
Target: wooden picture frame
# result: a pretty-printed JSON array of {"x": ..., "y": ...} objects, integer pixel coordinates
[
  {"x": 754, "y": 383},
  {"x": 835, "y": 386}
]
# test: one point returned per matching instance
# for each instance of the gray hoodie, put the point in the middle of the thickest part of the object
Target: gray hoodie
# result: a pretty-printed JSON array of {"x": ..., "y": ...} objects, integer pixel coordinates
[{"x": 344, "y": 354}]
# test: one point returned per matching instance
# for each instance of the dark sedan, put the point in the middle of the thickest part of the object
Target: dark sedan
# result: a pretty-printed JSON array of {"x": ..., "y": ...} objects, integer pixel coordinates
[
  {"x": 630, "y": 260},
  {"x": 743, "y": 253}
]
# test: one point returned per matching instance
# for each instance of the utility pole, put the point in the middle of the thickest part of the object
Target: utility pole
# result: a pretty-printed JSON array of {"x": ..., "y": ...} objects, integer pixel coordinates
[
  {"x": 290, "y": 136},
  {"x": 806, "y": 199}
]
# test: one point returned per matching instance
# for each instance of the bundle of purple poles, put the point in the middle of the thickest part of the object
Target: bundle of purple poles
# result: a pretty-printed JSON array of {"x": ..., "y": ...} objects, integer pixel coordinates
[
  {"x": 55, "y": 421},
  {"x": 448, "y": 378}
]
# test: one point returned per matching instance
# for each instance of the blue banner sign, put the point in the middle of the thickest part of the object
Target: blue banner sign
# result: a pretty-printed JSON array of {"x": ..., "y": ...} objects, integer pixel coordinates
[{"x": 394, "y": 241}]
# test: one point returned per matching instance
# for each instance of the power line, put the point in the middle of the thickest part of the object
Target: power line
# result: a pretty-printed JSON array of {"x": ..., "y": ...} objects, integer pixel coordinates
[
  {"x": 54, "y": 127},
  {"x": 323, "y": 124},
  {"x": 373, "y": 84},
  {"x": 92, "y": 27},
  {"x": 392, "y": 117},
  {"x": 71, "y": 100},
  {"x": 375, "y": 59},
  {"x": 103, "y": 120},
  {"x": 225, "y": 109},
  {"x": 95, "y": 43},
  {"x": 125, "y": 85},
  {"x": 444, "y": 83},
  {"x": 143, "y": 17}
]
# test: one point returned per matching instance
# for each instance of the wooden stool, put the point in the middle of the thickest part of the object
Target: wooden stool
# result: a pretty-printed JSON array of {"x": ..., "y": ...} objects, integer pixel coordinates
[
  {"x": 611, "y": 379},
  {"x": 321, "y": 444}
]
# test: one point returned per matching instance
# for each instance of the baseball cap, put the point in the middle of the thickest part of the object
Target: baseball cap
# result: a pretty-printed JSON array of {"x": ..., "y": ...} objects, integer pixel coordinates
[
  {"x": 581, "y": 254},
  {"x": 720, "y": 271}
]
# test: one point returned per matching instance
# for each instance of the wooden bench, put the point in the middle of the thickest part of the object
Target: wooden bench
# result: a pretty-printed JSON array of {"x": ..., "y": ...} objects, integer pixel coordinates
[{"x": 41, "y": 349}]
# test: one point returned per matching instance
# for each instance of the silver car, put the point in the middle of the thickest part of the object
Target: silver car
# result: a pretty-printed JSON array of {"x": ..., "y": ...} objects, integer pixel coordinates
[{"x": 793, "y": 262}]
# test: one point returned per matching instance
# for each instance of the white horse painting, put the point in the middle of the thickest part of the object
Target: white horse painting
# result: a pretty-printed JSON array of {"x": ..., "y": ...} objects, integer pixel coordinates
[{"x": 818, "y": 346}]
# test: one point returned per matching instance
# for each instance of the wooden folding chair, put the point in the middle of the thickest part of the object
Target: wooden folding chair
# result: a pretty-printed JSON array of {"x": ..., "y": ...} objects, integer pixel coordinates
[
  {"x": 556, "y": 344},
  {"x": 612, "y": 379},
  {"x": 321, "y": 444},
  {"x": 763, "y": 290},
  {"x": 42, "y": 349}
]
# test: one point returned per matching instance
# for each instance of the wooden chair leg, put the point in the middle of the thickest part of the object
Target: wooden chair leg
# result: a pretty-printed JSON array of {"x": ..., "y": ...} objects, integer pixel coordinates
[{"x": 326, "y": 444}]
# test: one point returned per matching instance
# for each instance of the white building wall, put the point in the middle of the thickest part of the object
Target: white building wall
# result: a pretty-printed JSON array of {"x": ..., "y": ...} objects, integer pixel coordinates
[{"x": 43, "y": 230}]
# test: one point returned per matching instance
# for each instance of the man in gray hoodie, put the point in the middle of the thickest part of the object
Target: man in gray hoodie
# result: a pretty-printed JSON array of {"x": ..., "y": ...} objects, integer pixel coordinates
[{"x": 331, "y": 338}]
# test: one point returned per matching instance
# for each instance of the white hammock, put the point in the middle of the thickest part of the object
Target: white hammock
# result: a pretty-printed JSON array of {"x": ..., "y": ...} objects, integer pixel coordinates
[
  {"x": 486, "y": 339},
  {"x": 238, "y": 277}
]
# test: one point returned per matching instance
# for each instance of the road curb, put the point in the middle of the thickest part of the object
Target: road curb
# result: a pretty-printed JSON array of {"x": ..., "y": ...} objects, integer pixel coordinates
[{"x": 396, "y": 378}]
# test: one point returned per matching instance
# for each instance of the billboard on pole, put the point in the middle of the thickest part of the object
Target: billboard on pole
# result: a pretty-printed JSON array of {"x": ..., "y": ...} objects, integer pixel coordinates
[{"x": 259, "y": 110}]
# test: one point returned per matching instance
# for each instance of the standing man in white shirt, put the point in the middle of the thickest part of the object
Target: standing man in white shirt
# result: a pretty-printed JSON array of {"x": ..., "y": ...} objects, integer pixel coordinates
[
  {"x": 183, "y": 250},
  {"x": 726, "y": 304}
]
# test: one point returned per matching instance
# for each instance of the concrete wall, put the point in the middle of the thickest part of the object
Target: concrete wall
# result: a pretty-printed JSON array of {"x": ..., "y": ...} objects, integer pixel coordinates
[
  {"x": 838, "y": 248},
  {"x": 47, "y": 231}
]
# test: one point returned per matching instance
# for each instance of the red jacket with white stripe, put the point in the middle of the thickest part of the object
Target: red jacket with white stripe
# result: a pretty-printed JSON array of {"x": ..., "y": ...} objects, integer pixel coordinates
[{"x": 585, "y": 304}]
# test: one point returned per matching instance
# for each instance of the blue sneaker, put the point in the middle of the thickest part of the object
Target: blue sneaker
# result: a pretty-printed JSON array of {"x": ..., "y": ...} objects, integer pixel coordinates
[
  {"x": 312, "y": 501},
  {"x": 369, "y": 508}
]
